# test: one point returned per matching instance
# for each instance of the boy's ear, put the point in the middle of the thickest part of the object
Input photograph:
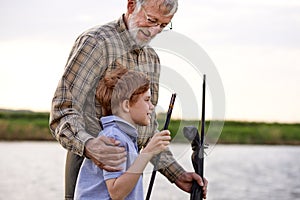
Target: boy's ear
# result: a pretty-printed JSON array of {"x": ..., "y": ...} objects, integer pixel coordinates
[
  {"x": 125, "y": 105},
  {"x": 131, "y": 6}
]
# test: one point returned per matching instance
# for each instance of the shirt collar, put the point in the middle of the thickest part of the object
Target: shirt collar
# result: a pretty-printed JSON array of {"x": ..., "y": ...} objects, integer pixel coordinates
[{"x": 121, "y": 123}]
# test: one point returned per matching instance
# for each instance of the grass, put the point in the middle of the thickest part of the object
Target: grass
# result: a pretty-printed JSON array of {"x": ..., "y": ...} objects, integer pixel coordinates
[
  {"x": 260, "y": 133},
  {"x": 239, "y": 132},
  {"x": 26, "y": 125}
]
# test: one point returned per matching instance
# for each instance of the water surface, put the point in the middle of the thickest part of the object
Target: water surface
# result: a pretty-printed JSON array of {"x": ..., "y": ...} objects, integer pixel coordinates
[{"x": 35, "y": 170}]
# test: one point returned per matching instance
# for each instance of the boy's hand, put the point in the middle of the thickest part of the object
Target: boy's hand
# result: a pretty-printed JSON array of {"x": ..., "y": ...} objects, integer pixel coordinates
[{"x": 158, "y": 143}]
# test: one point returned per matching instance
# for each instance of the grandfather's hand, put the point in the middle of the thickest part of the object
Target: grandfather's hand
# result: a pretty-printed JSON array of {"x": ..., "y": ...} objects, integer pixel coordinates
[
  {"x": 185, "y": 182},
  {"x": 105, "y": 153}
]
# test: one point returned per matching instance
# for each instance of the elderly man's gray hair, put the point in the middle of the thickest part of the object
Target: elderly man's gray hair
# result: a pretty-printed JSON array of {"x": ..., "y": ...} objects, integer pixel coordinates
[{"x": 169, "y": 6}]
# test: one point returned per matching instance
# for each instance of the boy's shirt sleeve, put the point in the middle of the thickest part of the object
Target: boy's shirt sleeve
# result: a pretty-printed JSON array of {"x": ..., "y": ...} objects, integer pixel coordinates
[{"x": 110, "y": 175}]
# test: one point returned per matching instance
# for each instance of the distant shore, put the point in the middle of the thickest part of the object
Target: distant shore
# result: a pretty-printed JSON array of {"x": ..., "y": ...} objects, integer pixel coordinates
[{"x": 33, "y": 126}]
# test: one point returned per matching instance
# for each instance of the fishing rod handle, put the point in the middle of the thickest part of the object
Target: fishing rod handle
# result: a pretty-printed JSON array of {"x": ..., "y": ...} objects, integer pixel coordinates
[{"x": 169, "y": 113}]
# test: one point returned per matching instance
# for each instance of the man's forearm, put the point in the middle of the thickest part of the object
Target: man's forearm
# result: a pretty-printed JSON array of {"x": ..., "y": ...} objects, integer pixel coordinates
[
  {"x": 173, "y": 171},
  {"x": 168, "y": 166},
  {"x": 72, "y": 139}
]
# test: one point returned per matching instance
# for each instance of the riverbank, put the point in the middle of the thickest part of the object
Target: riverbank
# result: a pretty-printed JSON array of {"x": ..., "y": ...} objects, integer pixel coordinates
[{"x": 33, "y": 126}]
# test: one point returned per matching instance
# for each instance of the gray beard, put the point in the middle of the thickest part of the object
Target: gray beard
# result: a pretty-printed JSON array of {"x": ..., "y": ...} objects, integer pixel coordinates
[
  {"x": 133, "y": 33},
  {"x": 133, "y": 30}
]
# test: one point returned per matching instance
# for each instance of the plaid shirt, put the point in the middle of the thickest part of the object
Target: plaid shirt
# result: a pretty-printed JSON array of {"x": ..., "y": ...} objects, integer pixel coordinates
[{"x": 75, "y": 112}]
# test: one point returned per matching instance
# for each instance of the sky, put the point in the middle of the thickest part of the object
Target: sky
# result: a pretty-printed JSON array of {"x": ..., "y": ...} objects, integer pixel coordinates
[{"x": 254, "y": 45}]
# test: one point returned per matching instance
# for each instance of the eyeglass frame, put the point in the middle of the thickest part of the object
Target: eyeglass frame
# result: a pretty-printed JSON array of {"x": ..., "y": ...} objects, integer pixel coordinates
[{"x": 154, "y": 23}]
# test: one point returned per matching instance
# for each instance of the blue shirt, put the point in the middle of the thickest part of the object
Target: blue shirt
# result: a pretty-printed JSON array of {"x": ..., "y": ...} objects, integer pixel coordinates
[{"x": 91, "y": 179}]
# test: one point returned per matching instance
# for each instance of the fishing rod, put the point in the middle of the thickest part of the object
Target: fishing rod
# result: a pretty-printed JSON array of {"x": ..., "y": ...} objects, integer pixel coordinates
[
  {"x": 197, "y": 143},
  {"x": 201, "y": 173},
  {"x": 166, "y": 125}
]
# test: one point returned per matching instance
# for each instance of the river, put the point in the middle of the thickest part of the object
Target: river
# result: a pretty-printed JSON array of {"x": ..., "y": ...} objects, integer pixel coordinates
[{"x": 35, "y": 170}]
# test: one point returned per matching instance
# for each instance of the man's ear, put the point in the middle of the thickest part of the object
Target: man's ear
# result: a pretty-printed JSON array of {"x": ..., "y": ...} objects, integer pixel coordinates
[
  {"x": 125, "y": 106},
  {"x": 131, "y": 6}
]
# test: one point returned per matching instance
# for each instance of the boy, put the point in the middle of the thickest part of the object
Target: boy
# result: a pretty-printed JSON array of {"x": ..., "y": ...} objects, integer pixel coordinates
[{"x": 126, "y": 101}]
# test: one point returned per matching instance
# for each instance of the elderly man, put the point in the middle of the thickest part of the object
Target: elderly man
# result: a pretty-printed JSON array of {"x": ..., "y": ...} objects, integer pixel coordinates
[{"x": 75, "y": 113}]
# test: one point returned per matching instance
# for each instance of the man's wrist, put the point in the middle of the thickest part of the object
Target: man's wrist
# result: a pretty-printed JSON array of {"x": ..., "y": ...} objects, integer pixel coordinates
[
  {"x": 86, "y": 152},
  {"x": 173, "y": 172}
]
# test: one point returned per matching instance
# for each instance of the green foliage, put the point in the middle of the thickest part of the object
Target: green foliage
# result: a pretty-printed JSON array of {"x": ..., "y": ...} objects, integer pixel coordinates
[
  {"x": 237, "y": 132},
  {"x": 25, "y": 125},
  {"x": 260, "y": 133}
]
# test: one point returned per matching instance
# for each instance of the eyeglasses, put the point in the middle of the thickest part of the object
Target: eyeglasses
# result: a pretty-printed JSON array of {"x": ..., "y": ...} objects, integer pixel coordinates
[{"x": 153, "y": 22}]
